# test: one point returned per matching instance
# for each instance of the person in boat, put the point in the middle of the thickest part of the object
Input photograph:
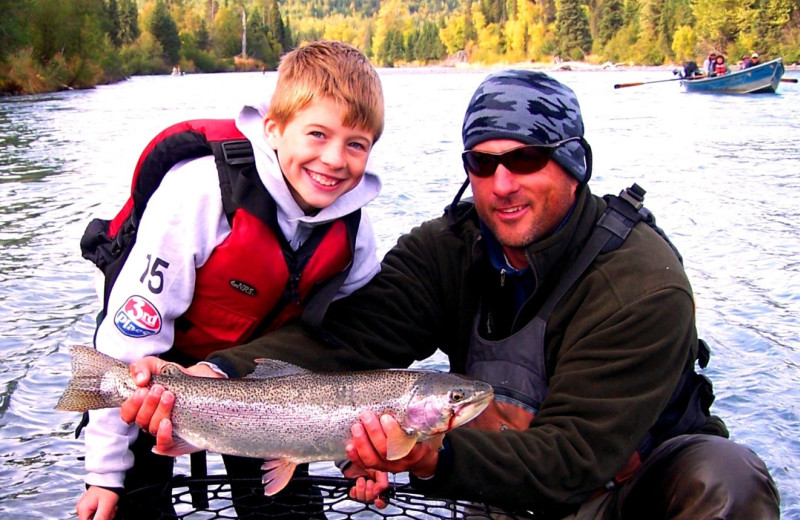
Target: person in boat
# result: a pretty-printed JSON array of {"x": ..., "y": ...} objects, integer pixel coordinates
[
  {"x": 753, "y": 60},
  {"x": 720, "y": 67},
  {"x": 745, "y": 63},
  {"x": 575, "y": 307},
  {"x": 690, "y": 70},
  {"x": 708, "y": 63},
  {"x": 305, "y": 198}
]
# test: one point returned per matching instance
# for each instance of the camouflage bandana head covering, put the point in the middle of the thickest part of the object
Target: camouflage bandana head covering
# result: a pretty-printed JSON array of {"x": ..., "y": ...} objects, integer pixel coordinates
[{"x": 532, "y": 108}]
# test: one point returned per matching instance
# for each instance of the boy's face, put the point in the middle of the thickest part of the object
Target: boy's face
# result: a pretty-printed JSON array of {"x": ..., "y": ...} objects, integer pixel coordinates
[{"x": 321, "y": 158}]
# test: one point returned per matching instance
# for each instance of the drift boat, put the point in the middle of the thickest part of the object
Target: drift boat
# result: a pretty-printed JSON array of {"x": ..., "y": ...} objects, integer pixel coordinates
[{"x": 761, "y": 78}]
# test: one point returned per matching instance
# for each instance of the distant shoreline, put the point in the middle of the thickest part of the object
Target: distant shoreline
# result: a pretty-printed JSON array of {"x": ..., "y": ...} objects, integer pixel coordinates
[
  {"x": 571, "y": 66},
  {"x": 574, "y": 66}
]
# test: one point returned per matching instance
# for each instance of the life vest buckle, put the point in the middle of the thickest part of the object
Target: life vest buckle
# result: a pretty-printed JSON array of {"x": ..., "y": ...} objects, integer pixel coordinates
[{"x": 237, "y": 152}]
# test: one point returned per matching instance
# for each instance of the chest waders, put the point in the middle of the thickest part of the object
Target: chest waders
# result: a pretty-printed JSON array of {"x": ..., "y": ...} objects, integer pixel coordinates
[{"x": 515, "y": 366}]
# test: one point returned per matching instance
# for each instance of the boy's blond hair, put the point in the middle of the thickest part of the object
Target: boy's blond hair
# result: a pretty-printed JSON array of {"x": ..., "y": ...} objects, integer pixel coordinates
[{"x": 329, "y": 69}]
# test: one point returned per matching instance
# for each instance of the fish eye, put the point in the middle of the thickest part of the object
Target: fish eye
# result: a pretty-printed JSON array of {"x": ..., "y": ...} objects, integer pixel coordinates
[{"x": 456, "y": 396}]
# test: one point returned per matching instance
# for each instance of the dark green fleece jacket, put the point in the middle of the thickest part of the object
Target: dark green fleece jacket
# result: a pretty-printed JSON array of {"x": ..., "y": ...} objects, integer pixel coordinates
[{"x": 616, "y": 346}]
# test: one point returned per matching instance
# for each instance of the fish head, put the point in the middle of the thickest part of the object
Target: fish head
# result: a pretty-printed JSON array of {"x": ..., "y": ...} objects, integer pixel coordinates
[{"x": 440, "y": 402}]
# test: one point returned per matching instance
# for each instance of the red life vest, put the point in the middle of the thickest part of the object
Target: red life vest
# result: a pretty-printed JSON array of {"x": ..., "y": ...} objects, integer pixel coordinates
[
  {"x": 246, "y": 287},
  {"x": 720, "y": 68},
  {"x": 253, "y": 282}
]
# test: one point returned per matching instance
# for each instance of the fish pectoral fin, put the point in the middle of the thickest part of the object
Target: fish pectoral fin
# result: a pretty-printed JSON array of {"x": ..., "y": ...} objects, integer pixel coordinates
[
  {"x": 399, "y": 443},
  {"x": 278, "y": 473},
  {"x": 179, "y": 447}
]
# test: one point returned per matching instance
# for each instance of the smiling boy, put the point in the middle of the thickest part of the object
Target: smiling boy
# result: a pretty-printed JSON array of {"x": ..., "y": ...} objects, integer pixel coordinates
[{"x": 211, "y": 277}]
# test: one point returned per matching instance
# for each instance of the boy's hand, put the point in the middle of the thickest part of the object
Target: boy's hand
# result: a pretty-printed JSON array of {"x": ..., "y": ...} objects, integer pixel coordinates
[
  {"x": 149, "y": 408},
  {"x": 97, "y": 504},
  {"x": 369, "y": 486}
]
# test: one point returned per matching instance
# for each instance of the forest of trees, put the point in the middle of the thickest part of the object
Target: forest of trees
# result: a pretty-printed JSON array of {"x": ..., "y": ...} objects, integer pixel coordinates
[{"x": 48, "y": 45}]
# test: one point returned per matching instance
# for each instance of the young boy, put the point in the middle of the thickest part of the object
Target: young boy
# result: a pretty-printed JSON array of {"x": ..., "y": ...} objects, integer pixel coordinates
[{"x": 311, "y": 148}]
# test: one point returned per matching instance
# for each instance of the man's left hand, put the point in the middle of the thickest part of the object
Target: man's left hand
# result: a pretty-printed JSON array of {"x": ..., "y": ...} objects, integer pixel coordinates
[{"x": 368, "y": 447}]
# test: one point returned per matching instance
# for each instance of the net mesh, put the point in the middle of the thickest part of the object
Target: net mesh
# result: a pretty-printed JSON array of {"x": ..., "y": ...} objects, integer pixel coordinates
[{"x": 311, "y": 497}]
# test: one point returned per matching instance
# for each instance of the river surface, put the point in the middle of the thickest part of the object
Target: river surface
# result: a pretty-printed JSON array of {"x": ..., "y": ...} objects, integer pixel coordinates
[{"x": 722, "y": 175}]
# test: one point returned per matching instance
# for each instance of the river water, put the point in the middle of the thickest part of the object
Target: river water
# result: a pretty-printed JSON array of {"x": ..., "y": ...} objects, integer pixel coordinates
[{"x": 721, "y": 174}]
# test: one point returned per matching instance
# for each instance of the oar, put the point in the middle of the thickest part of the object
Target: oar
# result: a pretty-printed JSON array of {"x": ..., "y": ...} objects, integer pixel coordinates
[
  {"x": 623, "y": 85},
  {"x": 788, "y": 80}
]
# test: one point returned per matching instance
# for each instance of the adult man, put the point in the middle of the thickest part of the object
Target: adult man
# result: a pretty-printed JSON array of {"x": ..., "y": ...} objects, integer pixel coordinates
[
  {"x": 586, "y": 331},
  {"x": 708, "y": 63},
  {"x": 745, "y": 63},
  {"x": 753, "y": 60}
]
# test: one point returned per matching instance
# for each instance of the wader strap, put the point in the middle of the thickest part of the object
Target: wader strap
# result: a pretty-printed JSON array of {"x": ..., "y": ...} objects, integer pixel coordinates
[{"x": 613, "y": 227}]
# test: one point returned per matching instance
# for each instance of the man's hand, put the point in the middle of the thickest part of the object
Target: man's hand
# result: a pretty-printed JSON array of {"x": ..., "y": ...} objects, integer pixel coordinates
[
  {"x": 149, "y": 409},
  {"x": 367, "y": 450},
  {"x": 97, "y": 504}
]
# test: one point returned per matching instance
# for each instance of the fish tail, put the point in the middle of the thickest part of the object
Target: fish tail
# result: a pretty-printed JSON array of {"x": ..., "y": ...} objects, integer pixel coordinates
[{"x": 84, "y": 391}]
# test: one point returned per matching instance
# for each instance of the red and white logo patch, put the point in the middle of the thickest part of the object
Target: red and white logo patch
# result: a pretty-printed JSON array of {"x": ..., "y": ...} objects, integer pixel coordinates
[{"x": 138, "y": 318}]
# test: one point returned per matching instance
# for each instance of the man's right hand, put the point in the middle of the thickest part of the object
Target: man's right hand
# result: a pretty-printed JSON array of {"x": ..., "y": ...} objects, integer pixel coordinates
[{"x": 97, "y": 504}]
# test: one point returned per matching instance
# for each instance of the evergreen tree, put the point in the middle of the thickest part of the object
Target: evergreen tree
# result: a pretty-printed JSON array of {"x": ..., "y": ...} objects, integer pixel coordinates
[
  {"x": 630, "y": 14},
  {"x": 261, "y": 43},
  {"x": 202, "y": 37},
  {"x": 129, "y": 21},
  {"x": 66, "y": 28},
  {"x": 394, "y": 18},
  {"x": 410, "y": 46},
  {"x": 610, "y": 19},
  {"x": 13, "y": 26},
  {"x": 427, "y": 45},
  {"x": 392, "y": 49},
  {"x": 165, "y": 30},
  {"x": 572, "y": 29},
  {"x": 114, "y": 23},
  {"x": 277, "y": 27}
]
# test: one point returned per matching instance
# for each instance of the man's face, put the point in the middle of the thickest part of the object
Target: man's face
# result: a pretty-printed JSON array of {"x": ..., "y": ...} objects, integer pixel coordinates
[
  {"x": 321, "y": 158},
  {"x": 521, "y": 208}
]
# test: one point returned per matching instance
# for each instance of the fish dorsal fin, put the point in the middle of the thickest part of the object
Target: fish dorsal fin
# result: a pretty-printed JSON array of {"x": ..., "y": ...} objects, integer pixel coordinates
[{"x": 267, "y": 368}]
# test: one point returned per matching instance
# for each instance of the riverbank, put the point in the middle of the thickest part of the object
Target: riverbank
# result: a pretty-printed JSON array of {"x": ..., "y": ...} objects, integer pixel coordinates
[{"x": 578, "y": 66}]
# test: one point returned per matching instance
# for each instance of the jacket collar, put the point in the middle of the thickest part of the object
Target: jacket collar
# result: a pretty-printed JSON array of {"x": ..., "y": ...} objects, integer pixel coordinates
[{"x": 547, "y": 257}]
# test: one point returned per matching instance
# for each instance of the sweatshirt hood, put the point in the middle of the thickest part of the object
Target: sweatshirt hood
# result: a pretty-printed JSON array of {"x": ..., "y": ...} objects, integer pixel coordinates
[{"x": 250, "y": 122}]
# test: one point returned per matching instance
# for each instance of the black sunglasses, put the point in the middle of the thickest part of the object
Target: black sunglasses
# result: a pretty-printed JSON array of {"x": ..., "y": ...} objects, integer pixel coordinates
[{"x": 529, "y": 158}]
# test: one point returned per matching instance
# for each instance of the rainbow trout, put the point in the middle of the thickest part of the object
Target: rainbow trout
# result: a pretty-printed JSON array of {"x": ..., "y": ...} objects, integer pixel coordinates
[{"x": 282, "y": 413}]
